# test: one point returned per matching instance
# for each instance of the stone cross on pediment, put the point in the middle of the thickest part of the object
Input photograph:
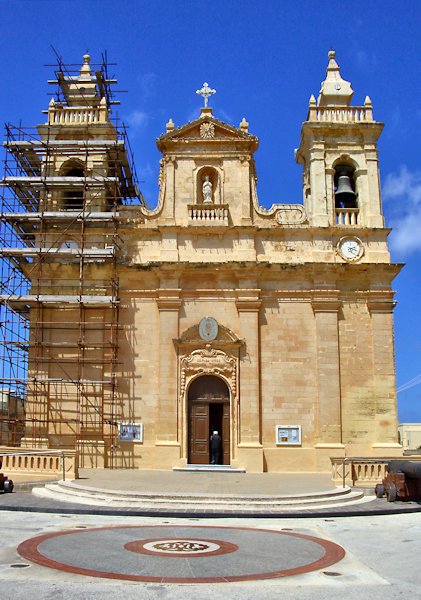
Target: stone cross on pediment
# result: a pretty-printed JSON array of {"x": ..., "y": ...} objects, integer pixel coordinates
[{"x": 206, "y": 92}]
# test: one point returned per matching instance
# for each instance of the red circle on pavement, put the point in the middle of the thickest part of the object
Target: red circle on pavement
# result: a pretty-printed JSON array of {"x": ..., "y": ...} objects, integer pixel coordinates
[{"x": 333, "y": 553}]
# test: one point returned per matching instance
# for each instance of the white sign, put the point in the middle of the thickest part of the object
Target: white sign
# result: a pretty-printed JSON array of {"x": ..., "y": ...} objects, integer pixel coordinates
[
  {"x": 130, "y": 432},
  {"x": 288, "y": 435}
]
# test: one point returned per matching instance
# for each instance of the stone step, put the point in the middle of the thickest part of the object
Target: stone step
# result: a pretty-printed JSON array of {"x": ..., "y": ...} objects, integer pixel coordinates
[
  {"x": 209, "y": 468},
  {"x": 71, "y": 492}
]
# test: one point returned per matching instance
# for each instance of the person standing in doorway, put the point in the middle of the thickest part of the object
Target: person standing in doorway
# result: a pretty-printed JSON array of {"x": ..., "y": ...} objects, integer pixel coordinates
[{"x": 215, "y": 448}]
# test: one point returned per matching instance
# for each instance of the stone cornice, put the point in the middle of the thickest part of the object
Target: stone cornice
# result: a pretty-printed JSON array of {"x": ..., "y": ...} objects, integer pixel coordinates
[
  {"x": 248, "y": 304},
  {"x": 381, "y": 305},
  {"x": 326, "y": 305}
]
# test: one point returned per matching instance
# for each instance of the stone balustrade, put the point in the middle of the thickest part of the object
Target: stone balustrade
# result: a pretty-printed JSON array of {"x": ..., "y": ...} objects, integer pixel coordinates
[
  {"x": 208, "y": 214},
  {"x": 69, "y": 115},
  {"x": 38, "y": 463},
  {"x": 340, "y": 114},
  {"x": 346, "y": 216},
  {"x": 364, "y": 472}
]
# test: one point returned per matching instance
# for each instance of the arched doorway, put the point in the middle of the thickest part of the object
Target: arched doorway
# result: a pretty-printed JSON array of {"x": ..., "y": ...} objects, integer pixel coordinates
[{"x": 208, "y": 410}]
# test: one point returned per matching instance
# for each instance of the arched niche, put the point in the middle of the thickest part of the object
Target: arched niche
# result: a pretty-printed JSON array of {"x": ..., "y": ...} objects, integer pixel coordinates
[{"x": 210, "y": 173}]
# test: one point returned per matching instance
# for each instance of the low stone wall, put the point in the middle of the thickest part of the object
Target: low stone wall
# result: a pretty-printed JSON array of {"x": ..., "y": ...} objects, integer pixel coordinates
[
  {"x": 363, "y": 472},
  {"x": 38, "y": 463}
]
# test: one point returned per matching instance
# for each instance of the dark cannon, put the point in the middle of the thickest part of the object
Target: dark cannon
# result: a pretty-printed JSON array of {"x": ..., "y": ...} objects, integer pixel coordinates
[
  {"x": 403, "y": 481},
  {"x": 6, "y": 484}
]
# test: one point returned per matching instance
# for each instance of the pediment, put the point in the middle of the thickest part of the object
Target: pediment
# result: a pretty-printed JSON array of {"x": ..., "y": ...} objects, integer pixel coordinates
[{"x": 206, "y": 129}]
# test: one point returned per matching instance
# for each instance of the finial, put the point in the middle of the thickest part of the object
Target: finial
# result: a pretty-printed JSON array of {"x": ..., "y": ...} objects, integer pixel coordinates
[
  {"x": 244, "y": 126},
  {"x": 170, "y": 125},
  {"x": 86, "y": 68},
  {"x": 206, "y": 92},
  {"x": 331, "y": 54},
  {"x": 368, "y": 109},
  {"x": 312, "y": 101}
]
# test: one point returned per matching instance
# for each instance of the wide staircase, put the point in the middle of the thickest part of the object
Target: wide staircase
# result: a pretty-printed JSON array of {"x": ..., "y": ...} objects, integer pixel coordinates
[{"x": 203, "y": 491}]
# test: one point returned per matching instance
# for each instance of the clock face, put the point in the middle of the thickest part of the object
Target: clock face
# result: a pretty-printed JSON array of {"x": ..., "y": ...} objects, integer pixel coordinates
[
  {"x": 350, "y": 248},
  {"x": 208, "y": 328}
]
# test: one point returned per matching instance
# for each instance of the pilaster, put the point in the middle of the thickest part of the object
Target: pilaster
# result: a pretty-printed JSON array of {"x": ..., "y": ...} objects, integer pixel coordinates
[
  {"x": 318, "y": 185},
  {"x": 250, "y": 452},
  {"x": 328, "y": 374},
  {"x": 167, "y": 442},
  {"x": 384, "y": 380}
]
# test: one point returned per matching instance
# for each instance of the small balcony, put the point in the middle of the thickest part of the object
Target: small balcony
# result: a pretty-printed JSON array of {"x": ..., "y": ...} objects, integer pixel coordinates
[
  {"x": 346, "y": 216},
  {"x": 208, "y": 214}
]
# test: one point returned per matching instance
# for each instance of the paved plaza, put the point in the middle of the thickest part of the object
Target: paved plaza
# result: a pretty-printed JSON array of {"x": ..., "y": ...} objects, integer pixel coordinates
[
  {"x": 58, "y": 549},
  {"x": 372, "y": 557}
]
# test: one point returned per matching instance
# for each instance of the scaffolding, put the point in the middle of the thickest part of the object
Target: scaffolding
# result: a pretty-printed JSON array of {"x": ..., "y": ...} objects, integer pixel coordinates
[{"x": 63, "y": 186}]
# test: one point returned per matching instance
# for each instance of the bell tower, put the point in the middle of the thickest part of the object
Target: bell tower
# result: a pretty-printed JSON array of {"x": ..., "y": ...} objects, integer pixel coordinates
[{"x": 338, "y": 151}]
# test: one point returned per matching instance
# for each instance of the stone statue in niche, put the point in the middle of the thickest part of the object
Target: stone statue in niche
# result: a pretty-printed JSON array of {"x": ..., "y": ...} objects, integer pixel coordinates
[{"x": 207, "y": 190}]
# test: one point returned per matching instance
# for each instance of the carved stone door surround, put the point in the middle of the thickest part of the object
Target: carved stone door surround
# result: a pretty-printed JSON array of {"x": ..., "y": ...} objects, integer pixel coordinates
[{"x": 219, "y": 358}]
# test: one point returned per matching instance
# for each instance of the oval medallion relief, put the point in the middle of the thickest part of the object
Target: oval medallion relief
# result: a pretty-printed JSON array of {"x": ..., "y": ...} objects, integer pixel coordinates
[{"x": 208, "y": 329}]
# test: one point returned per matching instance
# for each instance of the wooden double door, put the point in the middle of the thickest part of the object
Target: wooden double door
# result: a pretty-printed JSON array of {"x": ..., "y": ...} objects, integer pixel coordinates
[{"x": 208, "y": 411}]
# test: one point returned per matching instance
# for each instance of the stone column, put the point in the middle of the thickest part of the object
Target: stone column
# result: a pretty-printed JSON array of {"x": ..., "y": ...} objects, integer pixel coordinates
[
  {"x": 167, "y": 442},
  {"x": 328, "y": 380},
  {"x": 250, "y": 452},
  {"x": 384, "y": 378}
]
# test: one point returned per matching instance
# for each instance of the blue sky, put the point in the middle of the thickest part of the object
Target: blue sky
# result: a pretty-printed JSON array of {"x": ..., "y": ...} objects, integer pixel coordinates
[{"x": 265, "y": 59}]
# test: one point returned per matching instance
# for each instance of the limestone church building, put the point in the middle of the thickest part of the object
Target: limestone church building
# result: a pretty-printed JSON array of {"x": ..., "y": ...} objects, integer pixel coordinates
[{"x": 141, "y": 331}]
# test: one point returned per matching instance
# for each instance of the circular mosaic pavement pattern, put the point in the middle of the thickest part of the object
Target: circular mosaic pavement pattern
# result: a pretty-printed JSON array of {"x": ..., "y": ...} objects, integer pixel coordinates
[{"x": 181, "y": 554}]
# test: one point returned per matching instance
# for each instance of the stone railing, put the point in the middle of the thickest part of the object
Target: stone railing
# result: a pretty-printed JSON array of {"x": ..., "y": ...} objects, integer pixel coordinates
[
  {"x": 69, "y": 115},
  {"x": 364, "y": 472},
  {"x": 340, "y": 114},
  {"x": 62, "y": 463},
  {"x": 208, "y": 214},
  {"x": 346, "y": 216}
]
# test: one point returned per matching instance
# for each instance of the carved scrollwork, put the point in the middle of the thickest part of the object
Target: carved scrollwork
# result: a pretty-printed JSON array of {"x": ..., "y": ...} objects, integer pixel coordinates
[
  {"x": 291, "y": 214},
  {"x": 208, "y": 361},
  {"x": 285, "y": 214}
]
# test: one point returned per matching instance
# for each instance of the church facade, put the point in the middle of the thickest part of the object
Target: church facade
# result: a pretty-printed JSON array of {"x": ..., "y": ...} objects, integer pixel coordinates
[{"x": 273, "y": 327}]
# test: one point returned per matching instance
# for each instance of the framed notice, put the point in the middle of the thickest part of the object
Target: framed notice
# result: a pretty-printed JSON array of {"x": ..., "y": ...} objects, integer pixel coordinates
[
  {"x": 288, "y": 435},
  {"x": 130, "y": 432}
]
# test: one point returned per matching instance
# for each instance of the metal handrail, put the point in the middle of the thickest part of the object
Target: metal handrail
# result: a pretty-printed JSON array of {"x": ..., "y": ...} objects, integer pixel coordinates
[{"x": 37, "y": 453}]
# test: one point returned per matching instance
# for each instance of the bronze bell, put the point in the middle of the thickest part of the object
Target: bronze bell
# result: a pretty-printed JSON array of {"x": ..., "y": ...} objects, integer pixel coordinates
[{"x": 344, "y": 194}]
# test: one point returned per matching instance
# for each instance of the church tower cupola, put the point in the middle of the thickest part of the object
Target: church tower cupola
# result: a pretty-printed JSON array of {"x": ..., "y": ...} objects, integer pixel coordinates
[
  {"x": 335, "y": 91},
  {"x": 82, "y": 89}
]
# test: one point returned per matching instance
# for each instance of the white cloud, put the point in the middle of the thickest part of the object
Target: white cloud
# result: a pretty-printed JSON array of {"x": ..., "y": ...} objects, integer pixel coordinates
[
  {"x": 138, "y": 119},
  {"x": 403, "y": 188}
]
